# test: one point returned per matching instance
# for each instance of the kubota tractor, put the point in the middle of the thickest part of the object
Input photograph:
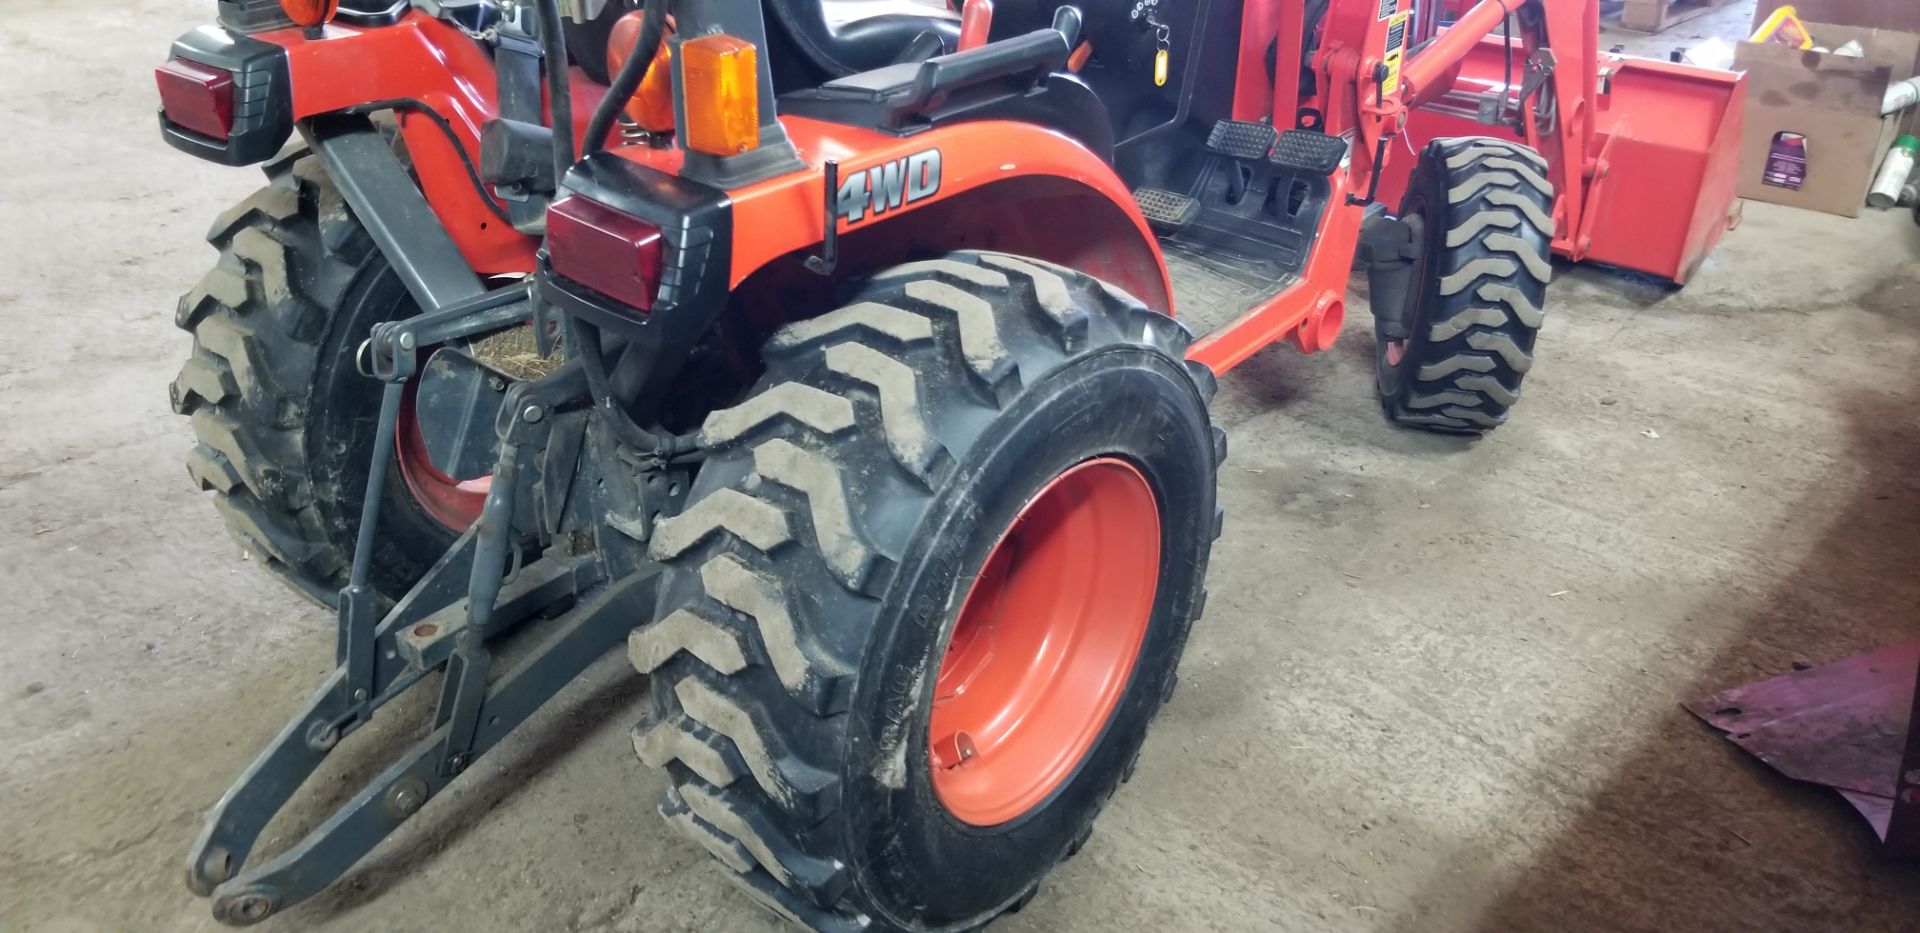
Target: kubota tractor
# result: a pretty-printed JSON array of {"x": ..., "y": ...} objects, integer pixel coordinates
[{"x": 825, "y": 352}]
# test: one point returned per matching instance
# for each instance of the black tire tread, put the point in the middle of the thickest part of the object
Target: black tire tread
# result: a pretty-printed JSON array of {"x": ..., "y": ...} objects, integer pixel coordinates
[
  {"x": 748, "y": 672},
  {"x": 254, "y": 318},
  {"x": 1475, "y": 345}
]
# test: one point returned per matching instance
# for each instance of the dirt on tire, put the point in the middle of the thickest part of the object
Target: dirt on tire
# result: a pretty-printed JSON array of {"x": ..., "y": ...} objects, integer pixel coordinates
[
  {"x": 790, "y": 656},
  {"x": 279, "y": 414}
]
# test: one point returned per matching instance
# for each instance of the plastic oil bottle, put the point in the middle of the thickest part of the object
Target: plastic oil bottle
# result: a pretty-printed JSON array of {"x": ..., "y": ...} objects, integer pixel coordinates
[{"x": 1893, "y": 173}]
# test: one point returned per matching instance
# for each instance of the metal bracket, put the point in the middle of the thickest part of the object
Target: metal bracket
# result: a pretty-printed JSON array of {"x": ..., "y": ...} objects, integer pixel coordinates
[
  {"x": 829, "y": 257},
  {"x": 389, "y": 204},
  {"x": 516, "y": 20},
  {"x": 476, "y": 18},
  {"x": 389, "y": 354},
  {"x": 465, "y": 684},
  {"x": 1540, "y": 67},
  {"x": 1373, "y": 177},
  {"x": 1380, "y": 73},
  {"x": 355, "y": 649},
  {"x": 517, "y": 58}
]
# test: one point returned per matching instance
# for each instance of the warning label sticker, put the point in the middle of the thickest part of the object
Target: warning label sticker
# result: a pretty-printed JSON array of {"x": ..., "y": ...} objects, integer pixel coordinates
[{"x": 1396, "y": 49}]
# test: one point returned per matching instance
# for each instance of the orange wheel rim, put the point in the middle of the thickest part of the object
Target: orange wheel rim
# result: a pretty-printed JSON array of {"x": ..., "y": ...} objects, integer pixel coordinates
[
  {"x": 1045, "y": 643},
  {"x": 451, "y": 502}
]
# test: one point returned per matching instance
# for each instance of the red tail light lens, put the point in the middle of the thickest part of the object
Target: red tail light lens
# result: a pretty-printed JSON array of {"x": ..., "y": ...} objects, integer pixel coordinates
[
  {"x": 612, "y": 253},
  {"x": 196, "y": 97}
]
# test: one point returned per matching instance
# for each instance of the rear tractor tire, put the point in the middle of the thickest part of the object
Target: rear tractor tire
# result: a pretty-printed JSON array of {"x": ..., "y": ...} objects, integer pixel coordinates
[
  {"x": 283, "y": 422},
  {"x": 1480, "y": 214},
  {"x": 928, "y": 590}
]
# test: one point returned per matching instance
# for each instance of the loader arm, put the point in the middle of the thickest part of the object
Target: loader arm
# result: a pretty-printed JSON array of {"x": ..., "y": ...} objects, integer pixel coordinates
[{"x": 1642, "y": 153}]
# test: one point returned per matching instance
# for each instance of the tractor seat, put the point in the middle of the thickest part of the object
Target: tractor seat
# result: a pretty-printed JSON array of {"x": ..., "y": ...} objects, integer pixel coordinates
[{"x": 864, "y": 43}]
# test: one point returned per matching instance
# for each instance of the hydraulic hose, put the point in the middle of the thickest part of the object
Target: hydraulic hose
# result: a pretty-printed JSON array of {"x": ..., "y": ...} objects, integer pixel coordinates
[
  {"x": 585, "y": 339},
  {"x": 653, "y": 26},
  {"x": 553, "y": 49},
  {"x": 586, "y": 343}
]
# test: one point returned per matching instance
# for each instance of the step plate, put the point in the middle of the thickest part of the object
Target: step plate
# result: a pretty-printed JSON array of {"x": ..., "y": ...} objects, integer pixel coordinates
[
  {"x": 1240, "y": 140},
  {"x": 1309, "y": 151},
  {"x": 1211, "y": 289},
  {"x": 1164, "y": 208}
]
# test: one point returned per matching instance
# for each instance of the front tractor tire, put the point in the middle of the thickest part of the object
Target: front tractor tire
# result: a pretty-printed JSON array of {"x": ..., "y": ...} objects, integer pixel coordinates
[
  {"x": 1480, "y": 215},
  {"x": 282, "y": 420},
  {"x": 928, "y": 590}
]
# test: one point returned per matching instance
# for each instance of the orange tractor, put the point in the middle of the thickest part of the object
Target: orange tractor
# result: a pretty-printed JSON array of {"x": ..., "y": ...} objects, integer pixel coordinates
[{"x": 826, "y": 354}]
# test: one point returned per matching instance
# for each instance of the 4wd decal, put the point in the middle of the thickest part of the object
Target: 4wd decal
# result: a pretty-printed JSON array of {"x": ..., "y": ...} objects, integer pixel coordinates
[{"x": 888, "y": 186}]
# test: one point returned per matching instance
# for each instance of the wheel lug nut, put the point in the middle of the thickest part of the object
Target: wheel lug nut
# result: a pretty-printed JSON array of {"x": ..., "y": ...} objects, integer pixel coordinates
[{"x": 952, "y": 750}]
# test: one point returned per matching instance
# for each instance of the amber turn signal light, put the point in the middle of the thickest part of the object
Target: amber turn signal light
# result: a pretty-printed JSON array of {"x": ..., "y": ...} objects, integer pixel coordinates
[
  {"x": 720, "y": 80},
  {"x": 652, "y": 105},
  {"x": 310, "y": 13}
]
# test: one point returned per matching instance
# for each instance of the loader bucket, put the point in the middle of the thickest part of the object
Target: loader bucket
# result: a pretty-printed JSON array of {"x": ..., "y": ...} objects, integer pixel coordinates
[
  {"x": 1654, "y": 190},
  {"x": 1669, "y": 136}
]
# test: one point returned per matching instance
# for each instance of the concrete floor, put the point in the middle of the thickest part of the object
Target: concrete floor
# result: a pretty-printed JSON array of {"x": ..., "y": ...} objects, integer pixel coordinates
[{"x": 1438, "y": 686}]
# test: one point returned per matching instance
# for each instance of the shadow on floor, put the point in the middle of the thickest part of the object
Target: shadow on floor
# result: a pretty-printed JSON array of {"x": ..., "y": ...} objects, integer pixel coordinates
[{"x": 1689, "y": 833}]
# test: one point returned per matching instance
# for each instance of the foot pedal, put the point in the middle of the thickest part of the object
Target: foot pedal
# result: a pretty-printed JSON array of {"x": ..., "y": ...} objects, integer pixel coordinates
[
  {"x": 1309, "y": 151},
  {"x": 1164, "y": 208},
  {"x": 1240, "y": 140}
]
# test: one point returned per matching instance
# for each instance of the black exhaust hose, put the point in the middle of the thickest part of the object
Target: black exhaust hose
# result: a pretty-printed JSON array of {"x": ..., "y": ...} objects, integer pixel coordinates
[
  {"x": 653, "y": 26},
  {"x": 553, "y": 48}
]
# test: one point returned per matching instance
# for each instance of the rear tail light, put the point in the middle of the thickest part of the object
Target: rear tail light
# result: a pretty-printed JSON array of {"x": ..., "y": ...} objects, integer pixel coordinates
[
  {"x": 612, "y": 253},
  {"x": 196, "y": 97},
  {"x": 225, "y": 97}
]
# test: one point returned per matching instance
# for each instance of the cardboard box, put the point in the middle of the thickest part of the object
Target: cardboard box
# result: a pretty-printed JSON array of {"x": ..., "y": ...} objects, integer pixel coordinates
[
  {"x": 1897, "y": 15},
  {"x": 1833, "y": 103}
]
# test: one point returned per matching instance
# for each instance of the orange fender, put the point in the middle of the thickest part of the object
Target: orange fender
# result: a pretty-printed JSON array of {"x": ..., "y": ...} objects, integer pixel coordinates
[{"x": 999, "y": 185}]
